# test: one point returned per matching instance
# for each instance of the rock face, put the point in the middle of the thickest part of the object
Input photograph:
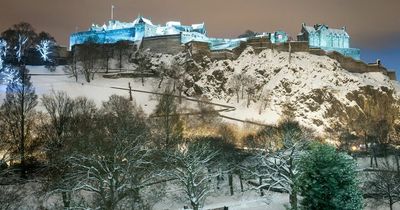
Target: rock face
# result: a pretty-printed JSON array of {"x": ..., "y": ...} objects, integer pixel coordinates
[{"x": 315, "y": 90}]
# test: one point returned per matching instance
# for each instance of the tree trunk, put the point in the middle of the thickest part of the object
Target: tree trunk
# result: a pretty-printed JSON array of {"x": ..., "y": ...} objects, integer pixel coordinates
[
  {"x": 194, "y": 205},
  {"x": 22, "y": 140},
  {"x": 230, "y": 180},
  {"x": 237, "y": 96},
  {"x": 120, "y": 60},
  {"x": 248, "y": 99},
  {"x": 375, "y": 159},
  {"x": 142, "y": 77},
  {"x": 108, "y": 58},
  {"x": 261, "y": 190},
  {"x": 241, "y": 182},
  {"x": 242, "y": 91},
  {"x": 371, "y": 161},
  {"x": 293, "y": 199},
  {"x": 180, "y": 96},
  {"x": 161, "y": 80},
  {"x": 66, "y": 198}
]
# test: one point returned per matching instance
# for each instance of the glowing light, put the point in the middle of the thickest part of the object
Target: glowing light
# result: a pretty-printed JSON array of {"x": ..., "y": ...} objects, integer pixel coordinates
[
  {"x": 3, "y": 52},
  {"x": 44, "y": 48},
  {"x": 354, "y": 148},
  {"x": 7, "y": 75},
  {"x": 20, "y": 50}
]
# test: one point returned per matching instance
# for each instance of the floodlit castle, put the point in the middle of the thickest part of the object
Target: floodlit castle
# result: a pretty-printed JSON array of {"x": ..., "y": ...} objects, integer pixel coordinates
[
  {"x": 142, "y": 29},
  {"x": 329, "y": 39}
]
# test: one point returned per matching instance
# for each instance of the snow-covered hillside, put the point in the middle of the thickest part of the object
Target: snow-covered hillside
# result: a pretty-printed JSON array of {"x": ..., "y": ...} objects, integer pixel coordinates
[
  {"x": 262, "y": 87},
  {"x": 275, "y": 83}
]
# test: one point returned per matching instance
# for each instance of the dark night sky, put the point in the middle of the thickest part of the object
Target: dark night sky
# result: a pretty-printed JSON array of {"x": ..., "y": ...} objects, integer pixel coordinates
[{"x": 374, "y": 25}]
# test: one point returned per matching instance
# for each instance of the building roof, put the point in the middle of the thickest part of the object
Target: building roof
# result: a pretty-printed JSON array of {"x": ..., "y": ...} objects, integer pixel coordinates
[
  {"x": 140, "y": 19},
  {"x": 319, "y": 27}
]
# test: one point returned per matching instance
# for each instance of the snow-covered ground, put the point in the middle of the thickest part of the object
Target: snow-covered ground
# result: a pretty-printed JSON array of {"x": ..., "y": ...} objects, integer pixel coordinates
[
  {"x": 277, "y": 83},
  {"x": 270, "y": 72}
]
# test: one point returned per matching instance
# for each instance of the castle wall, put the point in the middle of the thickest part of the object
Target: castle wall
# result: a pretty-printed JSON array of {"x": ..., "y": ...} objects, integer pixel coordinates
[
  {"x": 199, "y": 49},
  {"x": 168, "y": 44},
  {"x": 355, "y": 66},
  {"x": 222, "y": 54},
  {"x": 103, "y": 37},
  {"x": 392, "y": 75}
]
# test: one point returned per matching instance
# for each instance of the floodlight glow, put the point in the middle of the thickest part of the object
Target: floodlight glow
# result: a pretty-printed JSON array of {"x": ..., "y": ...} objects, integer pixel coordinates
[{"x": 44, "y": 49}]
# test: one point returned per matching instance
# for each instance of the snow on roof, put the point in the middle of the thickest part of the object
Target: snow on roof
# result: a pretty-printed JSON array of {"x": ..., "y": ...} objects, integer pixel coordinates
[
  {"x": 319, "y": 27},
  {"x": 142, "y": 19},
  {"x": 173, "y": 23},
  {"x": 198, "y": 26},
  {"x": 112, "y": 25}
]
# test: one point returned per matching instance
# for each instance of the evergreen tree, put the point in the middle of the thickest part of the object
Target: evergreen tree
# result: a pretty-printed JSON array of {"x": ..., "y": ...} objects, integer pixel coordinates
[
  {"x": 328, "y": 180},
  {"x": 18, "y": 111}
]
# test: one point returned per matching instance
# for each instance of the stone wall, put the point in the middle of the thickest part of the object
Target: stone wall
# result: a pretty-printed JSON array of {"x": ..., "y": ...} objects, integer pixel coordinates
[
  {"x": 198, "y": 49},
  {"x": 355, "y": 66},
  {"x": 168, "y": 44},
  {"x": 222, "y": 54}
]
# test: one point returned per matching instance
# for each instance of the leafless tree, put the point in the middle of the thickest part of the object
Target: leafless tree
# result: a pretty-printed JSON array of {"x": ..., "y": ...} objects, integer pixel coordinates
[
  {"x": 191, "y": 168},
  {"x": 18, "y": 112},
  {"x": 236, "y": 83},
  {"x": 383, "y": 184},
  {"x": 265, "y": 100},
  {"x": 275, "y": 162},
  {"x": 177, "y": 73},
  {"x": 162, "y": 71},
  {"x": 107, "y": 54},
  {"x": 116, "y": 176},
  {"x": 87, "y": 55},
  {"x": 121, "y": 47},
  {"x": 111, "y": 160},
  {"x": 167, "y": 118},
  {"x": 143, "y": 60}
]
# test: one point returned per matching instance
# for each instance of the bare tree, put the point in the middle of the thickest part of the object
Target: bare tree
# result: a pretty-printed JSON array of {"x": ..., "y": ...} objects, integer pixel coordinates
[
  {"x": 87, "y": 55},
  {"x": 116, "y": 176},
  {"x": 20, "y": 38},
  {"x": 107, "y": 54},
  {"x": 236, "y": 83},
  {"x": 72, "y": 71},
  {"x": 162, "y": 71},
  {"x": 59, "y": 107},
  {"x": 143, "y": 60},
  {"x": 68, "y": 126},
  {"x": 18, "y": 111},
  {"x": 383, "y": 184},
  {"x": 111, "y": 160},
  {"x": 275, "y": 163},
  {"x": 177, "y": 73},
  {"x": 121, "y": 47},
  {"x": 168, "y": 119},
  {"x": 191, "y": 168},
  {"x": 265, "y": 100}
]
